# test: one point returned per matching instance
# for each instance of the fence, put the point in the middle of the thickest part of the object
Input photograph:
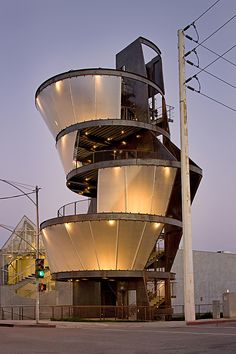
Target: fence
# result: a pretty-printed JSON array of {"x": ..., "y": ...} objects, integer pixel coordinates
[
  {"x": 115, "y": 313},
  {"x": 200, "y": 309},
  {"x": 76, "y": 313}
]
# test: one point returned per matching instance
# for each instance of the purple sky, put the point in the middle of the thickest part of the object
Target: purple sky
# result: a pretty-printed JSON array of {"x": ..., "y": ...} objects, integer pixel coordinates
[{"x": 42, "y": 38}]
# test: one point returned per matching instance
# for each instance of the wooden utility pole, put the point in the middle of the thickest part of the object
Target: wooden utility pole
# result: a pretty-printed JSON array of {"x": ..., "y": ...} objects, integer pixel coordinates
[{"x": 189, "y": 303}]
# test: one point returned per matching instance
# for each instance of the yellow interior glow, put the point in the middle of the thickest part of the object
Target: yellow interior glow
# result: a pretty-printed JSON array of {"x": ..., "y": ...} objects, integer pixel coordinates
[
  {"x": 167, "y": 171},
  {"x": 58, "y": 85},
  {"x": 68, "y": 226},
  {"x": 98, "y": 79},
  {"x": 111, "y": 222},
  {"x": 156, "y": 225}
]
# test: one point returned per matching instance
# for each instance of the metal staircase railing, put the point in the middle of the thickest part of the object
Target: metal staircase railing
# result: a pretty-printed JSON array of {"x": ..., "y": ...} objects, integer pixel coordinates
[
  {"x": 157, "y": 298},
  {"x": 155, "y": 256}
]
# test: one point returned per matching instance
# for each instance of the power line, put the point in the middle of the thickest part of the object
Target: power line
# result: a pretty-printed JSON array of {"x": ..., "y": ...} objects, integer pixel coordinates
[
  {"x": 209, "y": 73},
  {"x": 211, "y": 51},
  {"x": 218, "y": 57},
  {"x": 212, "y": 34},
  {"x": 26, "y": 186},
  {"x": 209, "y": 8},
  {"x": 212, "y": 99},
  {"x": 16, "y": 196}
]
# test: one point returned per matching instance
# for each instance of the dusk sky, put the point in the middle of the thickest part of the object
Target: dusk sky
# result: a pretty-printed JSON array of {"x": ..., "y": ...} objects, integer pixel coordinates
[{"x": 40, "y": 39}]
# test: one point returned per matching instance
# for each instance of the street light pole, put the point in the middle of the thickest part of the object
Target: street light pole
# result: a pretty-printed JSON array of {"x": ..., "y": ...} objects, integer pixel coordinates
[{"x": 189, "y": 303}]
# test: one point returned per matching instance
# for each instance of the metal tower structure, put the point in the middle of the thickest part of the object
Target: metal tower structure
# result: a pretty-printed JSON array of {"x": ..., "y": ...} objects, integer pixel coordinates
[{"x": 112, "y": 134}]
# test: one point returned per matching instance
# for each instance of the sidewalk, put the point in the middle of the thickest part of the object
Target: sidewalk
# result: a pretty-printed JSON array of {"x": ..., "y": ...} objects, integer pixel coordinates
[
  {"x": 97, "y": 324},
  {"x": 92, "y": 324}
]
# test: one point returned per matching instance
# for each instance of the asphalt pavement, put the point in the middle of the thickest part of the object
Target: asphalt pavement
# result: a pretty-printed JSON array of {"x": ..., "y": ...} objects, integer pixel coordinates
[{"x": 117, "y": 337}]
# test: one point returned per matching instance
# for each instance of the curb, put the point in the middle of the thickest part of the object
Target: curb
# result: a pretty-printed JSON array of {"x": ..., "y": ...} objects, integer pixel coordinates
[
  {"x": 214, "y": 321},
  {"x": 36, "y": 325}
]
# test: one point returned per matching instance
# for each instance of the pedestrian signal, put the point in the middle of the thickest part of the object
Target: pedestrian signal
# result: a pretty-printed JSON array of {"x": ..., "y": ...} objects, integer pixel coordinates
[{"x": 42, "y": 287}]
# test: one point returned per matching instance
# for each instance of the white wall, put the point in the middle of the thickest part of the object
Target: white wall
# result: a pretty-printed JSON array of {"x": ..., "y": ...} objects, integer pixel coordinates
[{"x": 213, "y": 274}]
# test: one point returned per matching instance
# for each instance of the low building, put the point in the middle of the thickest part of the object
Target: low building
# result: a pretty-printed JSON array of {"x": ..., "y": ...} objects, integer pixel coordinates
[{"x": 214, "y": 274}]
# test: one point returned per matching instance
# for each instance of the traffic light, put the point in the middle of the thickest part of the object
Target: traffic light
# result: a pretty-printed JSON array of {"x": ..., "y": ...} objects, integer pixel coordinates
[
  {"x": 42, "y": 287},
  {"x": 39, "y": 268}
]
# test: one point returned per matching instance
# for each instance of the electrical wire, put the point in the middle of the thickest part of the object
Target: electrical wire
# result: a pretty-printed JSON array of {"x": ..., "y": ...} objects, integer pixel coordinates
[
  {"x": 212, "y": 51},
  {"x": 26, "y": 186},
  {"x": 209, "y": 73},
  {"x": 212, "y": 99},
  {"x": 197, "y": 40},
  {"x": 207, "y": 66},
  {"x": 209, "y": 8},
  {"x": 219, "y": 57},
  {"x": 217, "y": 30},
  {"x": 16, "y": 196}
]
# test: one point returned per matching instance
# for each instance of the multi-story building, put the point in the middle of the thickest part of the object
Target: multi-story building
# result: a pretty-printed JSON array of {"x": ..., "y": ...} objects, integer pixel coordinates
[{"x": 117, "y": 245}]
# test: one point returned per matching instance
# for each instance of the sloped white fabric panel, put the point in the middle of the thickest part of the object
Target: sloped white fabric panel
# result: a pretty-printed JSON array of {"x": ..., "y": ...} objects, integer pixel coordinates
[
  {"x": 80, "y": 99},
  {"x": 100, "y": 245},
  {"x": 60, "y": 251},
  {"x": 65, "y": 148},
  {"x": 135, "y": 189}
]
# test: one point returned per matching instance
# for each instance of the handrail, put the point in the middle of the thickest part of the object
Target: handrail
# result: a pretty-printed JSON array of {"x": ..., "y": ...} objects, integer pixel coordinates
[
  {"x": 118, "y": 154},
  {"x": 77, "y": 207},
  {"x": 20, "y": 275}
]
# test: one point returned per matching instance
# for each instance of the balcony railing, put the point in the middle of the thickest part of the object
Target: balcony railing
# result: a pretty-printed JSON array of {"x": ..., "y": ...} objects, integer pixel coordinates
[
  {"x": 119, "y": 154},
  {"x": 75, "y": 208}
]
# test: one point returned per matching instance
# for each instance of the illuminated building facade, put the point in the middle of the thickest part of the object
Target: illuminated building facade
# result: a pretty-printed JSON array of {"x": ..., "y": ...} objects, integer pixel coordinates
[{"x": 118, "y": 243}]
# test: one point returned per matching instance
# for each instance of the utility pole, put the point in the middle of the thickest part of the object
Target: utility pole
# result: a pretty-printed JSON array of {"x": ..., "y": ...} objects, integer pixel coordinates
[
  {"x": 37, "y": 252},
  {"x": 189, "y": 303}
]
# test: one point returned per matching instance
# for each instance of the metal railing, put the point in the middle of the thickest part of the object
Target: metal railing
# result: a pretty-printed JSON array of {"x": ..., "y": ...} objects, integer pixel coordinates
[
  {"x": 114, "y": 313},
  {"x": 75, "y": 208},
  {"x": 77, "y": 313},
  {"x": 200, "y": 309},
  {"x": 118, "y": 154},
  {"x": 20, "y": 276}
]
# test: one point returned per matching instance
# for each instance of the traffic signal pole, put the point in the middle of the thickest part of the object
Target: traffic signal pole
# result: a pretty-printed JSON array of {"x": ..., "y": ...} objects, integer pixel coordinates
[
  {"x": 37, "y": 254},
  {"x": 189, "y": 303}
]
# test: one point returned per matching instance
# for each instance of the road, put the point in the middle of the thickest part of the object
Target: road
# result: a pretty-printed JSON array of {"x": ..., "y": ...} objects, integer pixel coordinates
[{"x": 119, "y": 339}]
